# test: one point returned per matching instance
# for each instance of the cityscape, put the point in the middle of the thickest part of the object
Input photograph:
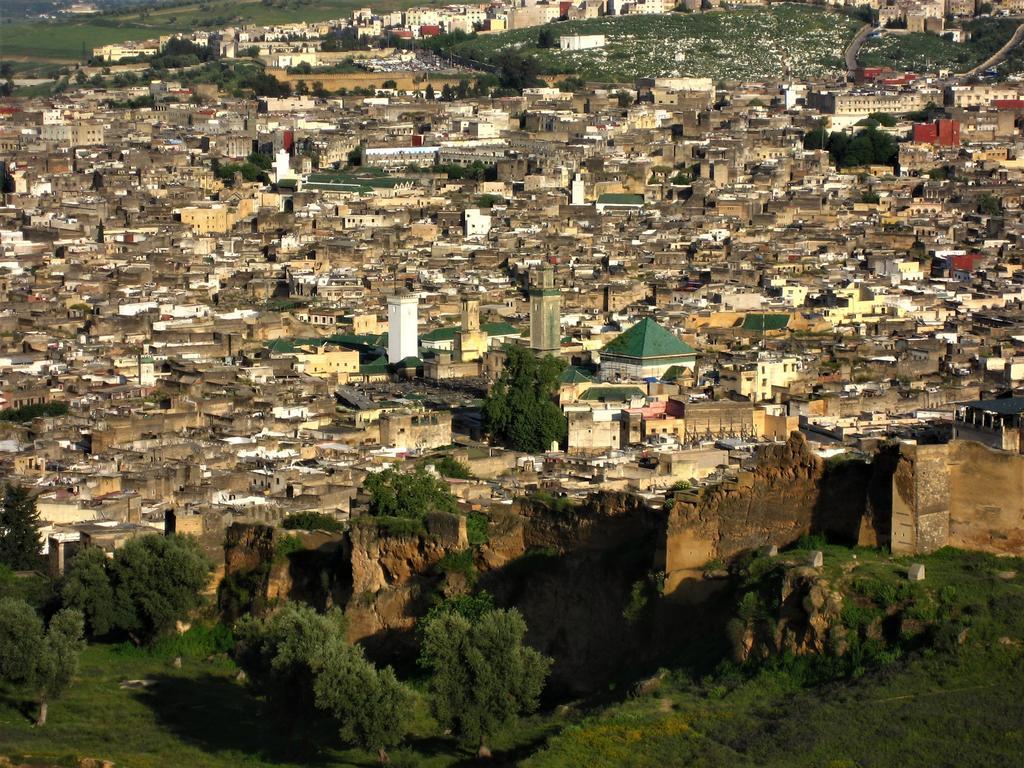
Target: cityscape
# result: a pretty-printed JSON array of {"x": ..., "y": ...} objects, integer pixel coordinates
[{"x": 595, "y": 382}]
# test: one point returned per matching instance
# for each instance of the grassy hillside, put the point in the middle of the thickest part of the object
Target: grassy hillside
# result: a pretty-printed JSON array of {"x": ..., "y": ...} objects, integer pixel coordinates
[
  {"x": 931, "y": 677},
  {"x": 740, "y": 44},
  {"x": 919, "y": 52},
  {"x": 64, "y": 40}
]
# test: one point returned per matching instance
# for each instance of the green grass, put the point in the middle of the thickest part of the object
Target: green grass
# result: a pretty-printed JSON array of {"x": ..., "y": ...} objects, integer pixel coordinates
[
  {"x": 739, "y": 44},
  {"x": 64, "y": 40},
  {"x": 200, "y": 715}
]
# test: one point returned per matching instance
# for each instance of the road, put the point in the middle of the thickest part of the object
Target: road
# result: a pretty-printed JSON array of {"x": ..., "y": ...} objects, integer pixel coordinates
[{"x": 854, "y": 48}]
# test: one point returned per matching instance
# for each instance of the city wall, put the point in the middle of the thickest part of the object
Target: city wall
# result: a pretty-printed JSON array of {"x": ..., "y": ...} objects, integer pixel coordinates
[{"x": 962, "y": 494}]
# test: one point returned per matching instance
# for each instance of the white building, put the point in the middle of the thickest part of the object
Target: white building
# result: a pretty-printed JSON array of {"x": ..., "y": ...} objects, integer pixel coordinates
[
  {"x": 477, "y": 222},
  {"x": 403, "y": 339},
  {"x": 580, "y": 42}
]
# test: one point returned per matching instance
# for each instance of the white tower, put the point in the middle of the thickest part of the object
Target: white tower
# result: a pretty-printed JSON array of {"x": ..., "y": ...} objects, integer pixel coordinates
[
  {"x": 282, "y": 166},
  {"x": 403, "y": 336},
  {"x": 578, "y": 191}
]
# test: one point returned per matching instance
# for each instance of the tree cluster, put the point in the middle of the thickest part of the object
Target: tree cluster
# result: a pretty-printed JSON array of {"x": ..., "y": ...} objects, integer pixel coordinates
[
  {"x": 521, "y": 410},
  {"x": 301, "y": 661},
  {"x": 483, "y": 676},
  {"x": 29, "y": 412},
  {"x": 868, "y": 146},
  {"x": 19, "y": 529},
  {"x": 150, "y": 583},
  {"x": 407, "y": 494},
  {"x": 516, "y": 71}
]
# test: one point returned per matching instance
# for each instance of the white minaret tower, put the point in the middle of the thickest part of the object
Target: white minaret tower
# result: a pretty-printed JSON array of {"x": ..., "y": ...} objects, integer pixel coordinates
[
  {"x": 282, "y": 166},
  {"x": 403, "y": 333},
  {"x": 578, "y": 191}
]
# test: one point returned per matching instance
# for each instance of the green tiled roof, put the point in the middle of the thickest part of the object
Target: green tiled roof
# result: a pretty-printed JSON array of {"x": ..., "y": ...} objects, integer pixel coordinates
[
  {"x": 380, "y": 365},
  {"x": 440, "y": 334},
  {"x": 613, "y": 394},
  {"x": 345, "y": 182},
  {"x": 573, "y": 375},
  {"x": 757, "y": 321},
  {"x": 491, "y": 329},
  {"x": 359, "y": 340},
  {"x": 673, "y": 373},
  {"x": 647, "y": 339}
]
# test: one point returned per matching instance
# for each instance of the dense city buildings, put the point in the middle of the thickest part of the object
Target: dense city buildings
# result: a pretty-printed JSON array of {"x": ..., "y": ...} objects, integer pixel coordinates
[{"x": 252, "y": 274}]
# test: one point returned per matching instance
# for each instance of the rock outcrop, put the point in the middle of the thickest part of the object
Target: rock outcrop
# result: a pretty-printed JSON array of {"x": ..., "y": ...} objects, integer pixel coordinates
[{"x": 808, "y": 619}]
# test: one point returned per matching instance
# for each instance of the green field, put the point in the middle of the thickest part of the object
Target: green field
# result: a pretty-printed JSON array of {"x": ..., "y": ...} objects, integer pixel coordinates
[
  {"x": 920, "y": 52},
  {"x": 740, "y": 44},
  {"x": 64, "y": 41}
]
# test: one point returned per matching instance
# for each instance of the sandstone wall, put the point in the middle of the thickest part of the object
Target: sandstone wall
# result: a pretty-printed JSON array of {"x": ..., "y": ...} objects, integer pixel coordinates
[
  {"x": 961, "y": 494},
  {"x": 986, "y": 499}
]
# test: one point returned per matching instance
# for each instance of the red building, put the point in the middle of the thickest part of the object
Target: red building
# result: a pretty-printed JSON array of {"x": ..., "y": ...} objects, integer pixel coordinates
[{"x": 942, "y": 133}]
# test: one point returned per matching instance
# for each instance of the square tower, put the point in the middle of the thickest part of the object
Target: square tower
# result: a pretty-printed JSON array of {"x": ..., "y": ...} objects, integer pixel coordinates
[
  {"x": 403, "y": 332},
  {"x": 545, "y": 311}
]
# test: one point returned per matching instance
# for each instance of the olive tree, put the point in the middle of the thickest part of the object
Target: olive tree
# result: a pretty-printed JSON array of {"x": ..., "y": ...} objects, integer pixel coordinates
[{"x": 41, "y": 661}]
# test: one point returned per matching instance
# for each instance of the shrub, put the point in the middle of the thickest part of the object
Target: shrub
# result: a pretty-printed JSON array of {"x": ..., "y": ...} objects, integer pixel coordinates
[
  {"x": 313, "y": 521},
  {"x": 476, "y": 528},
  {"x": 450, "y": 467},
  {"x": 286, "y": 546},
  {"x": 458, "y": 562}
]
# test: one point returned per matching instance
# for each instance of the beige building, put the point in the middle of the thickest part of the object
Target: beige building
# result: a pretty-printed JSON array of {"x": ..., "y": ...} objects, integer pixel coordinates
[{"x": 416, "y": 431}]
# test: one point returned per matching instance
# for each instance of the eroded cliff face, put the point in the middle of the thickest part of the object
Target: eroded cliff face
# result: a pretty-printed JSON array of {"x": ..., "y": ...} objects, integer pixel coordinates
[
  {"x": 791, "y": 492},
  {"x": 572, "y": 571},
  {"x": 808, "y": 620},
  {"x": 393, "y": 579},
  {"x": 588, "y": 577}
]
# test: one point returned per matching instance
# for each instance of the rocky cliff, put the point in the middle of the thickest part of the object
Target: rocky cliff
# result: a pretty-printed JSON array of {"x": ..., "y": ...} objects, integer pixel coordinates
[{"x": 790, "y": 492}]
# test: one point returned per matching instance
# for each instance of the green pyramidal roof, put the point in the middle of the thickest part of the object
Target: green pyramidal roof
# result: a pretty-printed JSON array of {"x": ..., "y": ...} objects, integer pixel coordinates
[{"x": 647, "y": 339}]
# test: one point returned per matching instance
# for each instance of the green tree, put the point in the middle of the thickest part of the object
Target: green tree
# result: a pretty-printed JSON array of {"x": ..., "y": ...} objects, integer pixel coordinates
[
  {"x": 884, "y": 119},
  {"x": 86, "y": 587},
  {"x": 517, "y": 71},
  {"x": 300, "y": 660},
  {"x": 482, "y": 675},
  {"x": 520, "y": 409},
  {"x": 42, "y": 662},
  {"x": 450, "y": 467},
  {"x": 157, "y": 580},
  {"x": 312, "y": 521},
  {"x": 407, "y": 494},
  {"x": 571, "y": 84},
  {"x": 989, "y": 205},
  {"x": 546, "y": 38},
  {"x": 278, "y": 653},
  {"x": 371, "y": 706},
  {"x": 19, "y": 528},
  {"x": 429, "y": 92}
]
